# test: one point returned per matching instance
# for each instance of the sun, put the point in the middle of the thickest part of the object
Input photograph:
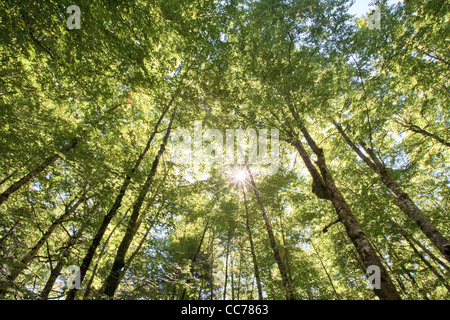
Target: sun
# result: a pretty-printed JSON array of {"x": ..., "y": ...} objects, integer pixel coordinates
[{"x": 240, "y": 175}]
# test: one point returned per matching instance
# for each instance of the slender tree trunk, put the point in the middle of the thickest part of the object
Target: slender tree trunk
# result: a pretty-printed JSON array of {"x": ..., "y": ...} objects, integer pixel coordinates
[
  {"x": 232, "y": 278},
  {"x": 226, "y": 265},
  {"x": 403, "y": 199},
  {"x": 141, "y": 242},
  {"x": 9, "y": 233},
  {"x": 116, "y": 206},
  {"x": 326, "y": 271},
  {"x": 425, "y": 249},
  {"x": 57, "y": 270},
  {"x": 252, "y": 248},
  {"x": 326, "y": 187},
  {"x": 404, "y": 271},
  {"x": 194, "y": 258},
  {"x": 286, "y": 251},
  {"x": 353, "y": 228},
  {"x": 102, "y": 252},
  {"x": 33, "y": 173},
  {"x": 240, "y": 275},
  {"x": 429, "y": 265},
  {"x": 112, "y": 281},
  {"x": 32, "y": 253},
  {"x": 414, "y": 128},
  {"x": 45, "y": 164},
  {"x": 51, "y": 280},
  {"x": 284, "y": 277},
  {"x": 211, "y": 277},
  {"x": 391, "y": 270}
]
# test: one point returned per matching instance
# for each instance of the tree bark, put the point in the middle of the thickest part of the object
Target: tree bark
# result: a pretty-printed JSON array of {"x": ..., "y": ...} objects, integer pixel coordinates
[
  {"x": 112, "y": 281},
  {"x": 286, "y": 251},
  {"x": 226, "y": 266},
  {"x": 326, "y": 271},
  {"x": 57, "y": 270},
  {"x": 284, "y": 277},
  {"x": 91, "y": 279},
  {"x": 428, "y": 264},
  {"x": 355, "y": 232},
  {"x": 194, "y": 258},
  {"x": 141, "y": 243},
  {"x": 252, "y": 248},
  {"x": 327, "y": 189},
  {"x": 37, "y": 170},
  {"x": 404, "y": 202}
]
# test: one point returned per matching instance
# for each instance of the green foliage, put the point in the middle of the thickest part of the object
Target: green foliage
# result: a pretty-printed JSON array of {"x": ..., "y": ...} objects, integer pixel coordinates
[{"x": 232, "y": 64}]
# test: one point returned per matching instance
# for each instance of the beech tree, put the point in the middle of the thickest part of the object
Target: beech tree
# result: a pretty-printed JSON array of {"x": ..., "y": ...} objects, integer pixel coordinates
[{"x": 322, "y": 152}]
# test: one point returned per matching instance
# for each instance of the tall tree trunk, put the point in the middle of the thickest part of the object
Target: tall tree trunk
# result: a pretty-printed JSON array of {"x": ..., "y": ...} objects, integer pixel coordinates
[
  {"x": 194, "y": 257},
  {"x": 252, "y": 248},
  {"x": 57, "y": 270},
  {"x": 326, "y": 187},
  {"x": 404, "y": 202},
  {"x": 284, "y": 277},
  {"x": 33, "y": 252},
  {"x": 404, "y": 271},
  {"x": 116, "y": 206},
  {"x": 232, "y": 278},
  {"x": 391, "y": 269},
  {"x": 428, "y": 264},
  {"x": 211, "y": 262},
  {"x": 325, "y": 269},
  {"x": 226, "y": 265},
  {"x": 411, "y": 242},
  {"x": 425, "y": 249},
  {"x": 238, "y": 295},
  {"x": 37, "y": 170},
  {"x": 141, "y": 242},
  {"x": 286, "y": 251},
  {"x": 112, "y": 281},
  {"x": 100, "y": 256}
]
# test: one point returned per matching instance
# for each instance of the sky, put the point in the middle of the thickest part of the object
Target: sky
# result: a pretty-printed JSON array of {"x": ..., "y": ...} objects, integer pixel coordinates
[{"x": 361, "y": 7}]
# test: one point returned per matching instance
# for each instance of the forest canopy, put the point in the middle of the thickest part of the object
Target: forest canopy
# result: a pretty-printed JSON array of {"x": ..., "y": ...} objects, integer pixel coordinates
[{"x": 232, "y": 149}]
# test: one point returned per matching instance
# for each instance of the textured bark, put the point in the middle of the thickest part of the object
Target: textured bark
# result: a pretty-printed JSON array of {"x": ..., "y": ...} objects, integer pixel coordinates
[
  {"x": 115, "y": 207},
  {"x": 37, "y": 170},
  {"x": 404, "y": 202},
  {"x": 112, "y": 281},
  {"x": 252, "y": 249},
  {"x": 345, "y": 215},
  {"x": 284, "y": 276},
  {"x": 352, "y": 227},
  {"x": 318, "y": 186}
]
